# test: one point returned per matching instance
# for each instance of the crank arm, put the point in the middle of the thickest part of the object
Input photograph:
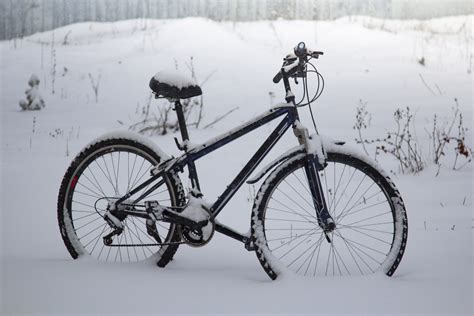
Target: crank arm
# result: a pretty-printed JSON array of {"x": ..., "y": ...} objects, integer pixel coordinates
[{"x": 151, "y": 230}]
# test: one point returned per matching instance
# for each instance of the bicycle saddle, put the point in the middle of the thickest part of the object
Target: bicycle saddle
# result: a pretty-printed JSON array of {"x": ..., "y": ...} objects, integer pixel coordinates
[{"x": 173, "y": 85}]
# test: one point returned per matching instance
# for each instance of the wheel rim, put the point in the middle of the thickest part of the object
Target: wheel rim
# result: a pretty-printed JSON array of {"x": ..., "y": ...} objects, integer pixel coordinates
[
  {"x": 362, "y": 212},
  {"x": 106, "y": 174}
]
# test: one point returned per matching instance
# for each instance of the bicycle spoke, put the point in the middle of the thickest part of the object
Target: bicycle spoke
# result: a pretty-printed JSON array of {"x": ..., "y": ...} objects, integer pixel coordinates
[
  {"x": 291, "y": 209},
  {"x": 81, "y": 211},
  {"x": 289, "y": 212},
  {"x": 302, "y": 208},
  {"x": 109, "y": 179},
  {"x": 87, "y": 194},
  {"x": 88, "y": 223},
  {"x": 355, "y": 203},
  {"x": 308, "y": 233},
  {"x": 355, "y": 191},
  {"x": 299, "y": 194},
  {"x": 383, "y": 241},
  {"x": 288, "y": 220},
  {"x": 315, "y": 245},
  {"x": 109, "y": 175},
  {"x": 97, "y": 238},
  {"x": 134, "y": 182},
  {"x": 97, "y": 194},
  {"x": 301, "y": 254},
  {"x": 93, "y": 184},
  {"x": 368, "y": 229},
  {"x": 317, "y": 258},
  {"x": 364, "y": 201},
  {"x": 360, "y": 210},
  {"x": 81, "y": 217},
  {"x": 291, "y": 250},
  {"x": 357, "y": 253},
  {"x": 305, "y": 187},
  {"x": 342, "y": 261},
  {"x": 90, "y": 232},
  {"x": 371, "y": 217},
  {"x": 353, "y": 242},
  {"x": 343, "y": 191},
  {"x": 131, "y": 174}
]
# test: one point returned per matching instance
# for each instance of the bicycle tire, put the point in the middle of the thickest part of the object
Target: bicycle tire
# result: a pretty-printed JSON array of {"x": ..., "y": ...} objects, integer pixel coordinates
[
  {"x": 273, "y": 236},
  {"x": 69, "y": 223}
]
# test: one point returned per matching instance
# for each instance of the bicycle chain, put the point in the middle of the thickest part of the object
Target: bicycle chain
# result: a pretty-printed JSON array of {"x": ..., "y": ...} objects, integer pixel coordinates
[{"x": 149, "y": 245}]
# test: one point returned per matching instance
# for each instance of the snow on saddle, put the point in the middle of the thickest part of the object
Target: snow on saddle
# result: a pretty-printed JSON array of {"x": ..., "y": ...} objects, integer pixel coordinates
[{"x": 173, "y": 85}]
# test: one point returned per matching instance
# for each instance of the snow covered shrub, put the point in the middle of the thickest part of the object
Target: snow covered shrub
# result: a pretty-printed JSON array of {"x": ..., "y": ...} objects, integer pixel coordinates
[{"x": 34, "y": 100}]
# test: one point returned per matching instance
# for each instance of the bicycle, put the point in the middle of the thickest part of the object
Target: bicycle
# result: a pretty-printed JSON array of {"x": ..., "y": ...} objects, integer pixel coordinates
[{"x": 322, "y": 209}]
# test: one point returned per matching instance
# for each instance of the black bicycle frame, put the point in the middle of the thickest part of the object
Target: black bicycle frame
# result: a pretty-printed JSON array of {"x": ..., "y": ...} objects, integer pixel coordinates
[
  {"x": 196, "y": 153},
  {"x": 193, "y": 154}
]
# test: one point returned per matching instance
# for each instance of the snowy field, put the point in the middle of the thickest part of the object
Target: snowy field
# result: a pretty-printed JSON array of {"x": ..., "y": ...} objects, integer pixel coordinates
[{"x": 365, "y": 59}]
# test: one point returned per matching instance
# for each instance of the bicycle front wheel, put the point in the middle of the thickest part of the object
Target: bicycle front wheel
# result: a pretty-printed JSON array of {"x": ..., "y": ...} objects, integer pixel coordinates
[
  {"x": 100, "y": 174},
  {"x": 370, "y": 217}
]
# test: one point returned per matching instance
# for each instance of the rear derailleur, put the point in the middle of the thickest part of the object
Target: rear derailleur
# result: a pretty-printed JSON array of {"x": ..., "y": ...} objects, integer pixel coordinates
[{"x": 195, "y": 222}]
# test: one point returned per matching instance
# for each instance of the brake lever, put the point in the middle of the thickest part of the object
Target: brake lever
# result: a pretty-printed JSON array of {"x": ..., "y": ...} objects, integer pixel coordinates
[{"x": 315, "y": 54}]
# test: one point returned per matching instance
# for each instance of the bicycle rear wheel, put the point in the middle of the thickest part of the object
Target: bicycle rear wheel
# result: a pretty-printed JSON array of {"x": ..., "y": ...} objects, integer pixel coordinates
[
  {"x": 370, "y": 218},
  {"x": 105, "y": 171}
]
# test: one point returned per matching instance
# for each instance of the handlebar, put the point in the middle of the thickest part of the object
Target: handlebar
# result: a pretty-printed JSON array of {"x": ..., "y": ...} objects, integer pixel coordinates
[
  {"x": 277, "y": 77},
  {"x": 295, "y": 62}
]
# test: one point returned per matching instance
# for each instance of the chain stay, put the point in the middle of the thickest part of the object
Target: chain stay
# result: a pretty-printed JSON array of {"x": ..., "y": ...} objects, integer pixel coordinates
[{"x": 149, "y": 245}]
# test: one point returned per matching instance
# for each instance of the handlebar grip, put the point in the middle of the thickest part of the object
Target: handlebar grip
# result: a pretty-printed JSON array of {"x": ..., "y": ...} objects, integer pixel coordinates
[{"x": 277, "y": 77}]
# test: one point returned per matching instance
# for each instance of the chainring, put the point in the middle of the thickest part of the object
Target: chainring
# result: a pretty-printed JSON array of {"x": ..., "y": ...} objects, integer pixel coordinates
[{"x": 198, "y": 237}]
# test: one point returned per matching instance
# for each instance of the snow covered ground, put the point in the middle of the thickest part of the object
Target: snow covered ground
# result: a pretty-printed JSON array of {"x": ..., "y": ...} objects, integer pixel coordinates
[{"x": 365, "y": 59}]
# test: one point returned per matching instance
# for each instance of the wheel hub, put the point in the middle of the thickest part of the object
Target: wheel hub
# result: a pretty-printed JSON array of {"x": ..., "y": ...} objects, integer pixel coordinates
[{"x": 117, "y": 210}]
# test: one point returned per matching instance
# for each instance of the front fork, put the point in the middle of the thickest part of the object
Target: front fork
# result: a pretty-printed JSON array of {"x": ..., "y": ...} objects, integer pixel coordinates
[{"x": 312, "y": 162}]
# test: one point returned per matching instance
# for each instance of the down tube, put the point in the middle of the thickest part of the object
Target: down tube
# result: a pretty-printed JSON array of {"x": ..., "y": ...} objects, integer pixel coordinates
[{"x": 252, "y": 164}]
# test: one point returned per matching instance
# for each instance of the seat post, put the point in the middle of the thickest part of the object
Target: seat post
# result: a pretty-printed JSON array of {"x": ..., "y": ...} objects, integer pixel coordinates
[
  {"x": 181, "y": 120},
  {"x": 184, "y": 134}
]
